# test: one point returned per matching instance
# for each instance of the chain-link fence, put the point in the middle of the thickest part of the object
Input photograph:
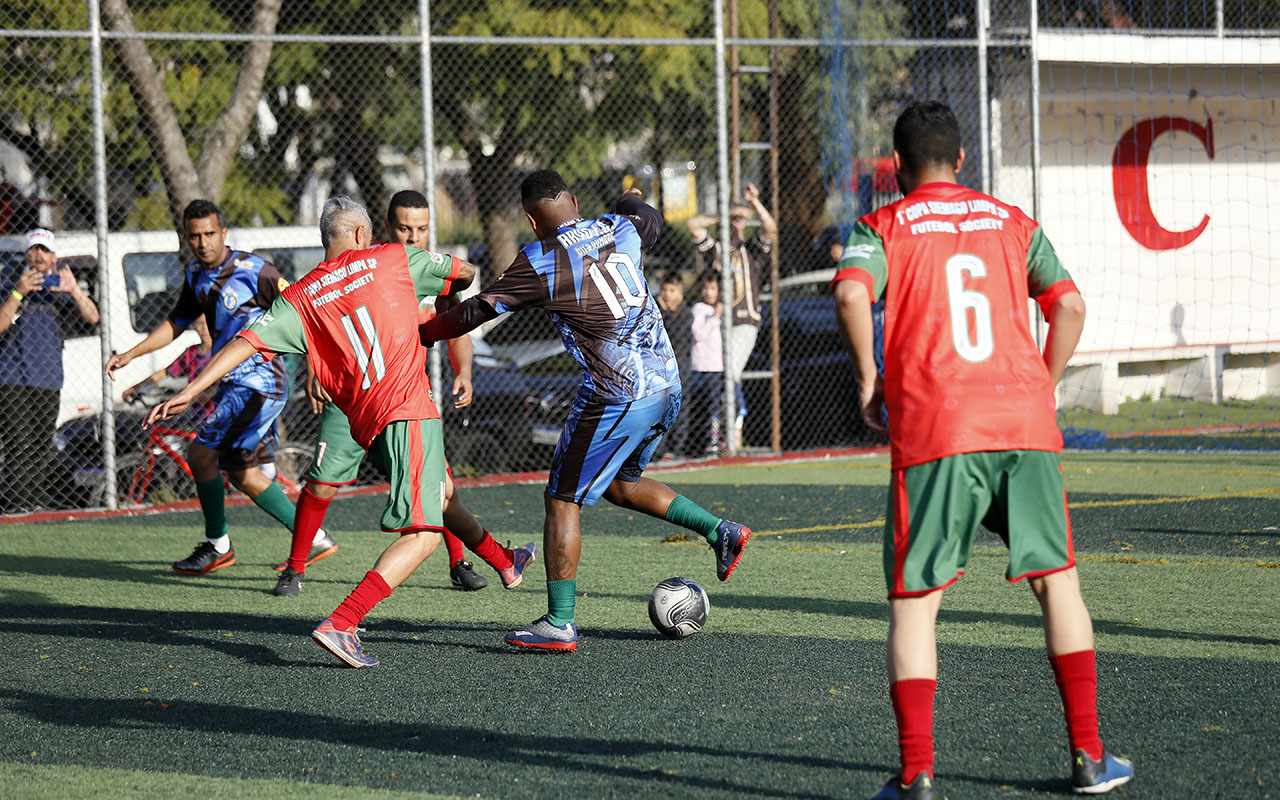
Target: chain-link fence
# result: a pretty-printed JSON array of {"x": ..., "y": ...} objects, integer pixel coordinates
[{"x": 735, "y": 120}]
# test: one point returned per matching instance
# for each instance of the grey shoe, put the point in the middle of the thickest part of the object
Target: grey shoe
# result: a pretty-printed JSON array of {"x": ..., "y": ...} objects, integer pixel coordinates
[{"x": 289, "y": 584}]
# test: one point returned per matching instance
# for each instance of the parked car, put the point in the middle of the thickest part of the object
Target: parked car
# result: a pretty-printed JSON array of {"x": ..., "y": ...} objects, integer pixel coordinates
[{"x": 819, "y": 396}]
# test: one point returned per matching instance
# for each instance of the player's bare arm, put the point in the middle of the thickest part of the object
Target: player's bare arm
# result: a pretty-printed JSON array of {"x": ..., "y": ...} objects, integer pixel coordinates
[
  {"x": 853, "y": 314},
  {"x": 227, "y": 359},
  {"x": 163, "y": 334},
  {"x": 1066, "y": 321},
  {"x": 464, "y": 318}
]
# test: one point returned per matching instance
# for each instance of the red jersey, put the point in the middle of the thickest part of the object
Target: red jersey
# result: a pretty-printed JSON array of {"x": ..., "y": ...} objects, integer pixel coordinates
[
  {"x": 962, "y": 373},
  {"x": 356, "y": 318}
]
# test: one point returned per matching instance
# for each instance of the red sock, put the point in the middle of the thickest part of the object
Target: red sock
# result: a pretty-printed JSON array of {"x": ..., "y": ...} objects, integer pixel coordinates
[
  {"x": 454, "y": 545},
  {"x": 913, "y": 707},
  {"x": 371, "y": 591},
  {"x": 1077, "y": 677},
  {"x": 492, "y": 553},
  {"x": 306, "y": 521}
]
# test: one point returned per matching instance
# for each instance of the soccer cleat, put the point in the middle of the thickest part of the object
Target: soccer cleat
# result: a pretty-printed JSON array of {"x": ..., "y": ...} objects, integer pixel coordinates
[
  {"x": 204, "y": 559},
  {"x": 1098, "y": 777},
  {"x": 542, "y": 635},
  {"x": 728, "y": 548},
  {"x": 521, "y": 557},
  {"x": 922, "y": 788},
  {"x": 323, "y": 548},
  {"x": 465, "y": 578},
  {"x": 289, "y": 584},
  {"x": 345, "y": 644}
]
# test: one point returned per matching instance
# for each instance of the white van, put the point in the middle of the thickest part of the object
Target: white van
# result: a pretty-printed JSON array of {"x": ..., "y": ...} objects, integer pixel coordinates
[{"x": 144, "y": 277}]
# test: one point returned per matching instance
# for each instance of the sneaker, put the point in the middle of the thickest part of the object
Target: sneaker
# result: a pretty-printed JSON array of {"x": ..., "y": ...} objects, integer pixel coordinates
[
  {"x": 728, "y": 548},
  {"x": 1099, "y": 777},
  {"x": 542, "y": 635},
  {"x": 345, "y": 644},
  {"x": 289, "y": 584},
  {"x": 465, "y": 578},
  {"x": 521, "y": 557},
  {"x": 922, "y": 788},
  {"x": 204, "y": 559},
  {"x": 323, "y": 548}
]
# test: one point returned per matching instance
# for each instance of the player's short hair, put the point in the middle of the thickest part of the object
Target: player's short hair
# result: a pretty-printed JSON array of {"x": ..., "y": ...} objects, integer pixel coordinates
[
  {"x": 927, "y": 134},
  {"x": 199, "y": 209},
  {"x": 405, "y": 199},
  {"x": 341, "y": 216},
  {"x": 545, "y": 184}
]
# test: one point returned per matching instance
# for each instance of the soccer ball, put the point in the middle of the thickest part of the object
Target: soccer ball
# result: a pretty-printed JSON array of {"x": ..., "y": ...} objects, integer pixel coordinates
[{"x": 678, "y": 608}]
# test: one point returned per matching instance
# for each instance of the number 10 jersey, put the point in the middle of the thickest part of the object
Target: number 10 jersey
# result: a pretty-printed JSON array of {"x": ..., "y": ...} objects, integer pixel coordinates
[
  {"x": 590, "y": 279},
  {"x": 962, "y": 373}
]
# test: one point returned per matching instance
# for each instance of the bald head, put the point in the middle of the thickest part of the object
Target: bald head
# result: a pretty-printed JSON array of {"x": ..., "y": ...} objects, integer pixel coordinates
[{"x": 547, "y": 202}]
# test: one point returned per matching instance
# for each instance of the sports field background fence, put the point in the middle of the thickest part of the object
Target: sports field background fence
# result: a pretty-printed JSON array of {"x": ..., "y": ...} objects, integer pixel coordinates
[{"x": 1150, "y": 162}]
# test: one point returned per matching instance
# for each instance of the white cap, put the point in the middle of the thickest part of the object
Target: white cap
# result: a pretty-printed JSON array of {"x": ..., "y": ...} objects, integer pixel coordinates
[{"x": 42, "y": 237}]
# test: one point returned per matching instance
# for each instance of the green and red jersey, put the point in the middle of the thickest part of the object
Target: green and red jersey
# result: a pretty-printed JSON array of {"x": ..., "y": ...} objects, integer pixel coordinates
[
  {"x": 356, "y": 318},
  {"x": 962, "y": 373}
]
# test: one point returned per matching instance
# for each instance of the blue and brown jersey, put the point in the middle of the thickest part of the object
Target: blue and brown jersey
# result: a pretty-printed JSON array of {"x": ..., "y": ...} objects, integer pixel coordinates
[
  {"x": 231, "y": 295},
  {"x": 590, "y": 279}
]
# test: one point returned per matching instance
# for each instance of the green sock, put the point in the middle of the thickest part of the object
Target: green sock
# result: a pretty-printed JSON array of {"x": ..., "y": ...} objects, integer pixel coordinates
[
  {"x": 277, "y": 505},
  {"x": 212, "y": 497},
  {"x": 688, "y": 514},
  {"x": 560, "y": 599}
]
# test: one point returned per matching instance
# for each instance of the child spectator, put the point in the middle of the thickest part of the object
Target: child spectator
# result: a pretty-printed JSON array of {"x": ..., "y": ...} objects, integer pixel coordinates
[{"x": 706, "y": 359}]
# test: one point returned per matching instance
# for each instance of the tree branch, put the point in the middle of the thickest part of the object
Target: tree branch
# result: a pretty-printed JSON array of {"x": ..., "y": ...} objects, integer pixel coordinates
[
  {"x": 161, "y": 127},
  {"x": 232, "y": 126}
]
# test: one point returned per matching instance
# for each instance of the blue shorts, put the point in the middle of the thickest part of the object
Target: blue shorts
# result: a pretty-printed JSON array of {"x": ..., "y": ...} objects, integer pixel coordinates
[
  {"x": 603, "y": 441},
  {"x": 242, "y": 427}
]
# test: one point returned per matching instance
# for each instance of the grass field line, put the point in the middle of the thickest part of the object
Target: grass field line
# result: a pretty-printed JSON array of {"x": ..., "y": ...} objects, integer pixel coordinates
[
  {"x": 1166, "y": 562},
  {"x": 1189, "y": 498}
]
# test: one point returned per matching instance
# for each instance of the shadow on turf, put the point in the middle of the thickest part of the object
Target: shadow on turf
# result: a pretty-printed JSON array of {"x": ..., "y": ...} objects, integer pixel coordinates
[
  {"x": 151, "y": 572},
  {"x": 584, "y": 754}
]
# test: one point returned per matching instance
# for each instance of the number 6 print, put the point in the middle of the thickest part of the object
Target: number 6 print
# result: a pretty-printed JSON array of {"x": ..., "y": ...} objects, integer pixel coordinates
[{"x": 982, "y": 344}]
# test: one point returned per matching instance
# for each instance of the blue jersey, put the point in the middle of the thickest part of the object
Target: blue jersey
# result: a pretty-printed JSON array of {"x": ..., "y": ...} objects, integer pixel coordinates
[
  {"x": 232, "y": 294},
  {"x": 590, "y": 279}
]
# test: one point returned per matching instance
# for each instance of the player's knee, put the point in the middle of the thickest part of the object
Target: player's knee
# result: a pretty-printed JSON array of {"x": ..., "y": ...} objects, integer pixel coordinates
[
  {"x": 322, "y": 491},
  {"x": 619, "y": 493}
]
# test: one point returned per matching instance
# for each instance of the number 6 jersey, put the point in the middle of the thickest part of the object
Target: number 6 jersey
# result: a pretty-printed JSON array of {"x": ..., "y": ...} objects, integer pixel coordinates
[
  {"x": 356, "y": 318},
  {"x": 590, "y": 279},
  {"x": 962, "y": 373}
]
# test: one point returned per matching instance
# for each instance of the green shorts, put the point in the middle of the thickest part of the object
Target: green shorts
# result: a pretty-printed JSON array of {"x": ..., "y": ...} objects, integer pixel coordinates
[
  {"x": 411, "y": 454},
  {"x": 935, "y": 507},
  {"x": 337, "y": 456}
]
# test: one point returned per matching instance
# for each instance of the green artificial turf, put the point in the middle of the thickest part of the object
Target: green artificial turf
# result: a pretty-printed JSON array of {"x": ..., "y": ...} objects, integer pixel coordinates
[{"x": 120, "y": 677}]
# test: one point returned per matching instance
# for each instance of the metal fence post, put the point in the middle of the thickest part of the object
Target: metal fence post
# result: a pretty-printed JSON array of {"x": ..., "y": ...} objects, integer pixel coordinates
[
  {"x": 984, "y": 103},
  {"x": 435, "y": 362},
  {"x": 1034, "y": 113},
  {"x": 730, "y": 411},
  {"x": 104, "y": 273}
]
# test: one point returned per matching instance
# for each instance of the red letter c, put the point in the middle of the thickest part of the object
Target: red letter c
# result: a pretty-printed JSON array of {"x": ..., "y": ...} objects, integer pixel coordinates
[{"x": 1129, "y": 181}]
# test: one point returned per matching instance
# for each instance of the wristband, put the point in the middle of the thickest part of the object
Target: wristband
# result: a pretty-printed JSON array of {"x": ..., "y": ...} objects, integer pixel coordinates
[{"x": 17, "y": 294}]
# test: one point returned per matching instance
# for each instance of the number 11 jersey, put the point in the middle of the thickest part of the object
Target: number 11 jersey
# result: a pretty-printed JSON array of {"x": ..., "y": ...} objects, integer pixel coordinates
[
  {"x": 590, "y": 279},
  {"x": 356, "y": 318},
  {"x": 962, "y": 373}
]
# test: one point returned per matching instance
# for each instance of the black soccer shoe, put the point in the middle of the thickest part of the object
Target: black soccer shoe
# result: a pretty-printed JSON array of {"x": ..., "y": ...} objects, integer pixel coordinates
[
  {"x": 465, "y": 578},
  {"x": 922, "y": 788},
  {"x": 204, "y": 559},
  {"x": 289, "y": 584}
]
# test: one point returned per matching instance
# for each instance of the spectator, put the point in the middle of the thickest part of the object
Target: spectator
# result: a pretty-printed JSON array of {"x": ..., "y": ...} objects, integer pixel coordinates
[
  {"x": 677, "y": 319},
  {"x": 747, "y": 260},
  {"x": 706, "y": 360},
  {"x": 31, "y": 318}
]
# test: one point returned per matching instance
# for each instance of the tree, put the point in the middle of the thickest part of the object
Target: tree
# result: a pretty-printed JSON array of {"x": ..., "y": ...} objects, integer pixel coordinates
[{"x": 188, "y": 178}]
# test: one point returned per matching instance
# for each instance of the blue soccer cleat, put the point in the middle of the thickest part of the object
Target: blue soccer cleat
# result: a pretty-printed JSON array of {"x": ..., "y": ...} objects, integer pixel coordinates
[
  {"x": 1099, "y": 777},
  {"x": 542, "y": 635},
  {"x": 345, "y": 644},
  {"x": 728, "y": 548},
  {"x": 922, "y": 788},
  {"x": 521, "y": 557}
]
